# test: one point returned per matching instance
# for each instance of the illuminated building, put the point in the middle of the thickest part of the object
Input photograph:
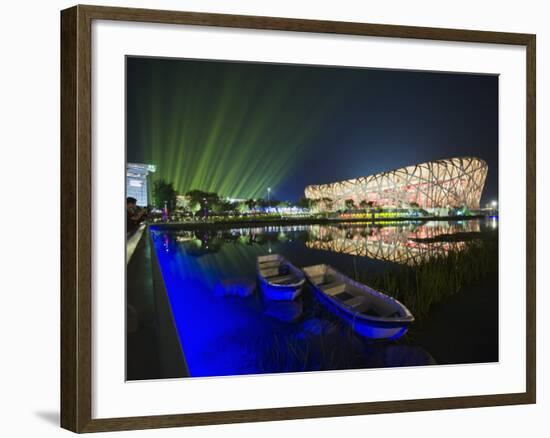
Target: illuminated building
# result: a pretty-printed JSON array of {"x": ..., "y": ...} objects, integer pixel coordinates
[
  {"x": 435, "y": 185},
  {"x": 137, "y": 182}
]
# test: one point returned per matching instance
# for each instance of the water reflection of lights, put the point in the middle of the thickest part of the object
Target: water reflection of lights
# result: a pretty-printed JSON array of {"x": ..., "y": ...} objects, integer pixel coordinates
[
  {"x": 248, "y": 335},
  {"x": 403, "y": 242},
  {"x": 394, "y": 243}
]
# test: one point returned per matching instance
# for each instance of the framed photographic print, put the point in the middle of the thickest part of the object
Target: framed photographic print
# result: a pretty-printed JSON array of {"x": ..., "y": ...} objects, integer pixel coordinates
[{"x": 270, "y": 218}]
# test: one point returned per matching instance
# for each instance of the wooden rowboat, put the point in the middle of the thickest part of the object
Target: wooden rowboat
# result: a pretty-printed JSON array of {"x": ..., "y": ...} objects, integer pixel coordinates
[
  {"x": 371, "y": 313},
  {"x": 279, "y": 279}
]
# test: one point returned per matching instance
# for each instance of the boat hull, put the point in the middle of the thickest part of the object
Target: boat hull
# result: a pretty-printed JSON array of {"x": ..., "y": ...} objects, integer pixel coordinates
[
  {"x": 278, "y": 292},
  {"x": 370, "y": 313},
  {"x": 362, "y": 325}
]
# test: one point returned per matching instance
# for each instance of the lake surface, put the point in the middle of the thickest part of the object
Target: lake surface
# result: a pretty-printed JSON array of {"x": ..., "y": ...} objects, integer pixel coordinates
[{"x": 232, "y": 335}]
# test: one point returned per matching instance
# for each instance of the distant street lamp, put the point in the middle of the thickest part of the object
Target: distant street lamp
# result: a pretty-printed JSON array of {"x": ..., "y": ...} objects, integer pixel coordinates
[
  {"x": 268, "y": 193},
  {"x": 494, "y": 204}
]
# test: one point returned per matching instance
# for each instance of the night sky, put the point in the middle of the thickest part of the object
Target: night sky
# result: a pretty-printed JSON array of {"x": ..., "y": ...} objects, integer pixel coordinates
[{"x": 238, "y": 128}]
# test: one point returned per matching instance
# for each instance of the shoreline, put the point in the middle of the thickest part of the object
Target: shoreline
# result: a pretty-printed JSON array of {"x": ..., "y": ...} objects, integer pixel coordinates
[{"x": 305, "y": 221}]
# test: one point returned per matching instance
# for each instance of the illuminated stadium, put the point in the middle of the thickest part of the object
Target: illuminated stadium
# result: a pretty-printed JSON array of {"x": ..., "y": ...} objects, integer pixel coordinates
[{"x": 440, "y": 184}]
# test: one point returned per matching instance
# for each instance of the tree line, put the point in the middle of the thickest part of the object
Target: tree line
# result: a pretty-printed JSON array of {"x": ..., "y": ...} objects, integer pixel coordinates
[{"x": 202, "y": 203}]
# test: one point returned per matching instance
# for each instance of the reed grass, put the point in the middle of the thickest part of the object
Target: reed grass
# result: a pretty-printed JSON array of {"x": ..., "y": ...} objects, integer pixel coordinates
[
  {"x": 329, "y": 349},
  {"x": 424, "y": 283}
]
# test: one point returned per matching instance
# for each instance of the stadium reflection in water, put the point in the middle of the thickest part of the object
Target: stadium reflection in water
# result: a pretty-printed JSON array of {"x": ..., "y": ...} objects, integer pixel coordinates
[
  {"x": 243, "y": 333},
  {"x": 405, "y": 244}
]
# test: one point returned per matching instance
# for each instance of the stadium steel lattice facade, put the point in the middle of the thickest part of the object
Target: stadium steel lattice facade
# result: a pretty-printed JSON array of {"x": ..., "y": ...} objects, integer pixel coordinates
[{"x": 450, "y": 183}]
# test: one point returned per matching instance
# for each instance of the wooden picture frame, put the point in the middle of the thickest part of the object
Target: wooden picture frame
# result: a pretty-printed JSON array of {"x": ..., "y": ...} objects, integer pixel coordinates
[{"x": 76, "y": 218}]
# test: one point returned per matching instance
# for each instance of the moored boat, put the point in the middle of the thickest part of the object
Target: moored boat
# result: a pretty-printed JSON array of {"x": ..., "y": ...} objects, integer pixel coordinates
[
  {"x": 371, "y": 313},
  {"x": 279, "y": 279}
]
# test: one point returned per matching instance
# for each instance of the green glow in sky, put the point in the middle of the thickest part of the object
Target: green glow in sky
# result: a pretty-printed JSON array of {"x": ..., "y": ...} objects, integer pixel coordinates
[{"x": 229, "y": 128}]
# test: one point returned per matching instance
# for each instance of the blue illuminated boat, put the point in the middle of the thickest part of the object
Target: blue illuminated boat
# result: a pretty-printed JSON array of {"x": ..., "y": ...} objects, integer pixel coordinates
[
  {"x": 371, "y": 313},
  {"x": 279, "y": 279}
]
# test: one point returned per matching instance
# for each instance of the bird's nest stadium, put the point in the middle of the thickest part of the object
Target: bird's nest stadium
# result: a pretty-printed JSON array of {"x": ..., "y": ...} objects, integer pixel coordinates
[{"x": 440, "y": 184}]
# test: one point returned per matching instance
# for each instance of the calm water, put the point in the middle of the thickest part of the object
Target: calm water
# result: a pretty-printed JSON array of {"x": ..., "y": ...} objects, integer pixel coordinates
[{"x": 230, "y": 335}]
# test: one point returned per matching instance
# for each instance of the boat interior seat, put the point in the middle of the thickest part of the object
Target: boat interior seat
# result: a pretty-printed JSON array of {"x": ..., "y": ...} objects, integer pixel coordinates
[
  {"x": 366, "y": 309},
  {"x": 317, "y": 279},
  {"x": 270, "y": 264},
  {"x": 281, "y": 278},
  {"x": 327, "y": 279},
  {"x": 355, "y": 301},
  {"x": 270, "y": 272},
  {"x": 334, "y": 288}
]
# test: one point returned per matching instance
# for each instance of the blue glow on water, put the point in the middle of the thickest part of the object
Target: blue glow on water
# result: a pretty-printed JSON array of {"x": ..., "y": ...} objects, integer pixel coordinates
[{"x": 227, "y": 327}]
